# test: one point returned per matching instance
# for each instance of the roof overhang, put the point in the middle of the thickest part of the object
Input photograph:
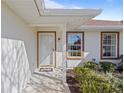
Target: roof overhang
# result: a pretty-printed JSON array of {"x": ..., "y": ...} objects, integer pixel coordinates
[
  {"x": 101, "y": 28},
  {"x": 34, "y": 13}
]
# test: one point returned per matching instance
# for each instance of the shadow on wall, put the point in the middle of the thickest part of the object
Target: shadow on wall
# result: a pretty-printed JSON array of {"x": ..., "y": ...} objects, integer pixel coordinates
[{"x": 15, "y": 71}]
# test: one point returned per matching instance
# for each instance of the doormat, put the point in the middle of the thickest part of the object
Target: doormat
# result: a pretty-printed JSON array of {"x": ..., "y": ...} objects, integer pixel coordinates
[{"x": 46, "y": 69}]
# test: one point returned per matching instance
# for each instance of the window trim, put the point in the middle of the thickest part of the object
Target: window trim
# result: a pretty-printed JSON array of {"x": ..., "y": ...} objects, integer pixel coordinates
[
  {"x": 82, "y": 45},
  {"x": 117, "y": 53}
]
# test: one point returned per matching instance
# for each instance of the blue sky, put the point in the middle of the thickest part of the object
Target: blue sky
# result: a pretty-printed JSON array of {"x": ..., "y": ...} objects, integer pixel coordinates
[{"x": 112, "y": 9}]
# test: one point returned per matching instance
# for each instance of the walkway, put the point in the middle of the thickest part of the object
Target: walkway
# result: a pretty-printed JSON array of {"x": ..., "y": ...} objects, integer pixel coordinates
[{"x": 40, "y": 83}]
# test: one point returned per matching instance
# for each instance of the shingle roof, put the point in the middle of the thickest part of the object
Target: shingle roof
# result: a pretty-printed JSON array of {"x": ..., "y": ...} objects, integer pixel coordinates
[{"x": 103, "y": 23}]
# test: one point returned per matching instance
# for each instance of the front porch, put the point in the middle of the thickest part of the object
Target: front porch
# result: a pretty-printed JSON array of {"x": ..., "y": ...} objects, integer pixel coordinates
[{"x": 51, "y": 51}]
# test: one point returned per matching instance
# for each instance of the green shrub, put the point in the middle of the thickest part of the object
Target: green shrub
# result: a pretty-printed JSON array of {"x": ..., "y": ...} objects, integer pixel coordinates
[
  {"x": 117, "y": 83},
  {"x": 91, "y": 65},
  {"x": 91, "y": 82},
  {"x": 107, "y": 66}
]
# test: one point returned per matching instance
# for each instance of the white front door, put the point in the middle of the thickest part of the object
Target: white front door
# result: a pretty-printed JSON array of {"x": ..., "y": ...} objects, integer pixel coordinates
[{"x": 46, "y": 49}]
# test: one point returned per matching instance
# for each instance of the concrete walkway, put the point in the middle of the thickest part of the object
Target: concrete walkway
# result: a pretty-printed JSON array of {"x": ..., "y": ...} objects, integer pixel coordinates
[{"x": 43, "y": 84}]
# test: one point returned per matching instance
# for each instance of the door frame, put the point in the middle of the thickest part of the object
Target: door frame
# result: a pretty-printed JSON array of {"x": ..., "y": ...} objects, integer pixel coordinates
[{"x": 38, "y": 32}]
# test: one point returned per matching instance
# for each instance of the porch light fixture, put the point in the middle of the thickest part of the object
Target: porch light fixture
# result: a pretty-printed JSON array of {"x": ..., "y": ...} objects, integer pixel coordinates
[{"x": 58, "y": 38}]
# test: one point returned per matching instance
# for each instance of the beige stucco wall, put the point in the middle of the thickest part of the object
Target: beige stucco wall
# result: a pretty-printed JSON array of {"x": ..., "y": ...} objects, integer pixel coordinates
[
  {"x": 121, "y": 43},
  {"x": 92, "y": 45},
  {"x": 18, "y": 51},
  {"x": 15, "y": 70},
  {"x": 13, "y": 27}
]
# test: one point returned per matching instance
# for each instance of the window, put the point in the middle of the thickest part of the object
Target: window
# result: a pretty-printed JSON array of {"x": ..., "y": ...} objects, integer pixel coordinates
[
  {"x": 109, "y": 45},
  {"x": 74, "y": 44}
]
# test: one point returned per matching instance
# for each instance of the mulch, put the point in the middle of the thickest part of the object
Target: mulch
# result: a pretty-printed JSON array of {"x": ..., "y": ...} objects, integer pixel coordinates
[{"x": 72, "y": 83}]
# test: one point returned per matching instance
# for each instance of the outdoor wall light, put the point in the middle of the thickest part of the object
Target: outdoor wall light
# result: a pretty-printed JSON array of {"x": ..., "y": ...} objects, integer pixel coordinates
[{"x": 59, "y": 38}]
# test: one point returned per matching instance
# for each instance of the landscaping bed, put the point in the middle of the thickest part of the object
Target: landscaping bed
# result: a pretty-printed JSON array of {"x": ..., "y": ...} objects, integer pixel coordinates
[
  {"x": 95, "y": 78},
  {"x": 72, "y": 82}
]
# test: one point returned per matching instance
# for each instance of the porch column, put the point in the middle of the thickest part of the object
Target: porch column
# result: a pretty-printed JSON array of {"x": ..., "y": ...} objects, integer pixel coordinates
[{"x": 64, "y": 51}]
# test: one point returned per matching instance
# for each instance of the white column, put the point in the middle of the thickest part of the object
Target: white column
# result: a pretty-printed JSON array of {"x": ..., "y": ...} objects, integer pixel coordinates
[{"x": 64, "y": 51}]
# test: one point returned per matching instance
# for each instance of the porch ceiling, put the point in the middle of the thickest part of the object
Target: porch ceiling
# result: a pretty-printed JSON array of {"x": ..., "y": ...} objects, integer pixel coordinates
[{"x": 33, "y": 12}]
